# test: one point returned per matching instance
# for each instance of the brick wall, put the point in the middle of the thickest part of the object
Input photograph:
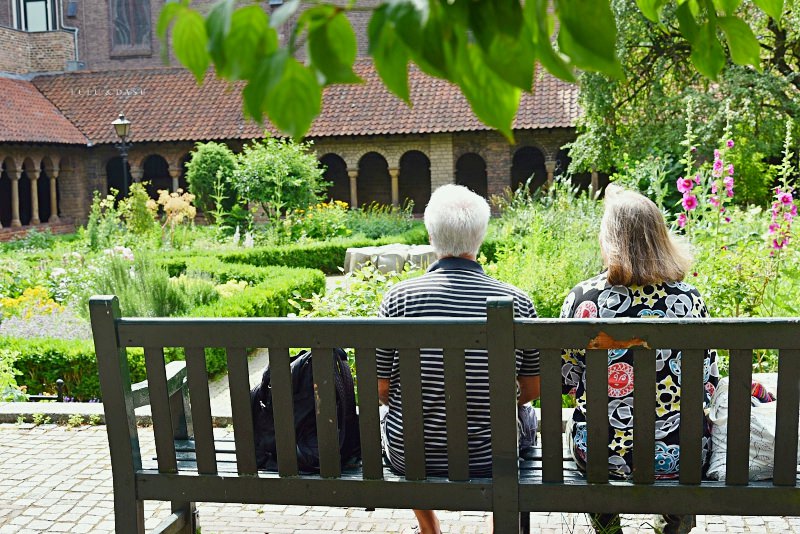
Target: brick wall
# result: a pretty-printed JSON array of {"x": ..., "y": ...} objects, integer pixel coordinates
[
  {"x": 5, "y": 14},
  {"x": 24, "y": 52}
]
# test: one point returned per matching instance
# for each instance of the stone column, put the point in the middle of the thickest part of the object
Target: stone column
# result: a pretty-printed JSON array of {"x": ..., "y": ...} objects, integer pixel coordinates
[
  {"x": 595, "y": 185},
  {"x": 442, "y": 162},
  {"x": 33, "y": 176},
  {"x": 550, "y": 166},
  {"x": 53, "y": 198},
  {"x": 395, "y": 175},
  {"x": 175, "y": 174},
  {"x": 353, "y": 174},
  {"x": 14, "y": 197}
]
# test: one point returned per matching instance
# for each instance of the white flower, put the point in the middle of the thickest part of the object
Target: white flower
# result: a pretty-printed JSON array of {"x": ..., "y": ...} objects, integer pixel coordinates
[{"x": 58, "y": 271}]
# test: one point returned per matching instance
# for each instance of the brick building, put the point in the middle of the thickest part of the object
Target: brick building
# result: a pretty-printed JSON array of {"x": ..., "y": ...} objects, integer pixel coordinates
[{"x": 68, "y": 68}]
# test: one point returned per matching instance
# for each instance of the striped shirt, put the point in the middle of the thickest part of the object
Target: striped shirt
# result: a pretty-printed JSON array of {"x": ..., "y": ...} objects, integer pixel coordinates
[{"x": 452, "y": 287}]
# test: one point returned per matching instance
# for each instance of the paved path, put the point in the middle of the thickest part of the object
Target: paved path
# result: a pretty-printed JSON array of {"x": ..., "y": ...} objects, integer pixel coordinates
[{"x": 58, "y": 479}]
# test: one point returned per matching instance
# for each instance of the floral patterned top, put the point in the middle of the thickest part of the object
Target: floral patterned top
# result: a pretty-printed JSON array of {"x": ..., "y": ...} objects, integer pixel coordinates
[{"x": 597, "y": 298}]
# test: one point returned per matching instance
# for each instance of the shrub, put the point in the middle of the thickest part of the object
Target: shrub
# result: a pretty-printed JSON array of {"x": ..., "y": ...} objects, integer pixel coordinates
[
  {"x": 320, "y": 221},
  {"x": 278, "y": 174},
  {"x": 379, "y": 220},
  {"x": 9, "y": 391},
  {"x": 212, "y": 163},
  {"x": 32, "y": 240},
  {"x": 137, "y": 211}
]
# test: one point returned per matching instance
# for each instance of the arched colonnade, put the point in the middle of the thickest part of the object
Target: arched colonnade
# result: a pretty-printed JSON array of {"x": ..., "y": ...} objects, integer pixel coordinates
[{"x": 30, "y": 192}]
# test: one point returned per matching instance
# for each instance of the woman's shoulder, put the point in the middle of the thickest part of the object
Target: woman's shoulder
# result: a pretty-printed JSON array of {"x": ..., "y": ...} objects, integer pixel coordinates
[{"x": 581, "y": 301}]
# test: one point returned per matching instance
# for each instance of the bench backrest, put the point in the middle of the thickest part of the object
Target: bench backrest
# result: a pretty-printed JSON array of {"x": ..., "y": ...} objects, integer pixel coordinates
[{"x": 499, "y": 333}]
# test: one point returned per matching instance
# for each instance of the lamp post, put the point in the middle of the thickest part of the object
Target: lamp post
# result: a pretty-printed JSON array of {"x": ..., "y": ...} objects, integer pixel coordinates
[{"x": 123, "y": 128}]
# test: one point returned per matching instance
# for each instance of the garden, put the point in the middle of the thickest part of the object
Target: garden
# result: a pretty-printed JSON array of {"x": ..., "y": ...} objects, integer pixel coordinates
[{"x": 270, "y": 239}]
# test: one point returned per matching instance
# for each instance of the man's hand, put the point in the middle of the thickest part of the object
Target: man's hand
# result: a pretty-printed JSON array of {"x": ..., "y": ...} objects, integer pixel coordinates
[
  {"x": 528, "y": 389},
  {"x": 383, "y": 390}
]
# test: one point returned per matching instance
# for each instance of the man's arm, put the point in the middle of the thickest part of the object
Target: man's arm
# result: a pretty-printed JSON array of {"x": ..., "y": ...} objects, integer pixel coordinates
[
  {"x": 528, "y": 389},
  {"x": 383, "y": 390}
]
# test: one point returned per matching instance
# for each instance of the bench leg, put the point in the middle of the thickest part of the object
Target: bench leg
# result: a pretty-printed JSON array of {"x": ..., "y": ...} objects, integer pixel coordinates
[
  {"x": 190, "y": 512},
  {"x": 128, "y": 516},
  {"x": 525, "y": 522}
]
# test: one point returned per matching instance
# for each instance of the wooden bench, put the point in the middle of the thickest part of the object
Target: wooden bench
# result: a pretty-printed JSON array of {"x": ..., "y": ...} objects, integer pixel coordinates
[{"x": 192, "y": 467}]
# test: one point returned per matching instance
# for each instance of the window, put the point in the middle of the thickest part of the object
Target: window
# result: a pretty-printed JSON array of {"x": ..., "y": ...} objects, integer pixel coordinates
[
  {"x": 35, "y": 15},
  {"x": 130, "y": 25}
]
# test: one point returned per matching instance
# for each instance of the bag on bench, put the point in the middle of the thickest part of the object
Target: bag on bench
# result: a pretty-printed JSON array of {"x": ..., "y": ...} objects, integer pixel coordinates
[{"x": 305, "y": 419}]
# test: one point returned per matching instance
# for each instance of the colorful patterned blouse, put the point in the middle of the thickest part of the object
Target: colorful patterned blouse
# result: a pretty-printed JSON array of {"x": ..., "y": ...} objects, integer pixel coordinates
[{"x": 597, "y": 298}]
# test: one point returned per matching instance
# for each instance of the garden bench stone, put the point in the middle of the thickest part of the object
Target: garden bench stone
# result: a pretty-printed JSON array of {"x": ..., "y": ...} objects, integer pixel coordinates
[{"x": 192, "y": 466}]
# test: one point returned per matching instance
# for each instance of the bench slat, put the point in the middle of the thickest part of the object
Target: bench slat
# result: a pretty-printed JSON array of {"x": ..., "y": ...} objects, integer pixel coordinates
[
  {"x": 787, "y": 417},
  {"x": 197, "y": 378},
  {"x": 325, "y": 401},
  {"x": 160, "y": 409},
  {"x": 552, "y": 436},
  {"x": 644, "y": 406},
  {"x": 740, "y": 380},
  {"x": 368, "y": 415},
  {"x": 413, "y": 435},
  {"x": 239, "y": 384},
  {"x": 283, "y": 410},
  {"x": 456, "y": 404},
  {"x": 692, "y": 423},
  {"x": 597, "y": 415}
]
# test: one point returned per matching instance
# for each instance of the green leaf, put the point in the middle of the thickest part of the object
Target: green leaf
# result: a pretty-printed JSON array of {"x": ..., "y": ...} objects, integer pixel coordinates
[
  {"x": 168, "y": 14},
  {"x": 588, "y": 35},
  {"x": 742, "y": 43},
  {"x": 539, "y": 21},
  {"x": 728, "y": 7},
  {"x": 281, "y": 15},
  {"x": 707, "y": 53},
  {"x": 390, "y": 54},
  {"x": 423, "y": 33},
  {"x": 189, "y": 39},
  {"x": 287, "y": 91},
  {"x": 332, "y": 48},
  {"x": 687, "y": 23},
  {"x": 773, "y": 8},
  {"x": 651, "y": 8},
  {"x": 507, "y": 43},
  {"x": 494, "y": 101},
  {"x": 218, "y": 26},
  {"x": 250, "y": 40}
]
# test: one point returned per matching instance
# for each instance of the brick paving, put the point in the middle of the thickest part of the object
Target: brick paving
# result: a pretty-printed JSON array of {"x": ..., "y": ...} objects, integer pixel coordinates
[{"x": 58, "y": 479}]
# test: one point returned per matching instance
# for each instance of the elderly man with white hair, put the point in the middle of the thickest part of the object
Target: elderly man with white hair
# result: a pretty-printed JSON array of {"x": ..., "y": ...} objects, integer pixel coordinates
[{"x": 454, "y": 286}]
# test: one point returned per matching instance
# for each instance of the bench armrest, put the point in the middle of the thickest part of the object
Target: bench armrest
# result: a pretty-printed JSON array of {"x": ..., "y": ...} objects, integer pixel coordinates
[{"x": 176, "y": 378}]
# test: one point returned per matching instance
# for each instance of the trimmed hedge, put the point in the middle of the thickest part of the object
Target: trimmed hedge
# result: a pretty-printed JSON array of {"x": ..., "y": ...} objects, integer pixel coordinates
[
  {"x": 42, "y": 361},
  {"x": 326, "y": 256}
]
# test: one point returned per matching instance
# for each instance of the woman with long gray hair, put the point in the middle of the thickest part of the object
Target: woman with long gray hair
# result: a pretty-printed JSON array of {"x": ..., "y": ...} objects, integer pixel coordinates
[{"x": 644, "y": 277}]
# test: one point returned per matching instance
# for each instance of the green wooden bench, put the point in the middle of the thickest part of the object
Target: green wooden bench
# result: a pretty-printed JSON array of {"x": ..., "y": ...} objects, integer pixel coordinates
[{"x": 193, "y": 467}]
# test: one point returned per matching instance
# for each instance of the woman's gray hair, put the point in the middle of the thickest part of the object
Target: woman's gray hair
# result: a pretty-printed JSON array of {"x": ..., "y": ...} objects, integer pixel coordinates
[
  {"x": 637, "y": 247},
  {"x": 456, "y": 220}
]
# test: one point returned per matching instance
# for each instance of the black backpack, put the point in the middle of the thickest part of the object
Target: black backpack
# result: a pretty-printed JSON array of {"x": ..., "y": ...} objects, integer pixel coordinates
[{"x": 305, "y": 419}]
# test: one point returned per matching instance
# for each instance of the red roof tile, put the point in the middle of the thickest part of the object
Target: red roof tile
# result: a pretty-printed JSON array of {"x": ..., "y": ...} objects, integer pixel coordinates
[
  {"x": 26, "y": 116},
  {"x": 166, "y": 104}
]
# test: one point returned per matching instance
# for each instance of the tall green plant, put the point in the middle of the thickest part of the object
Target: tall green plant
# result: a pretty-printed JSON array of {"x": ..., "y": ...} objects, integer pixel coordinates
[{"x": 209, "y": 173}]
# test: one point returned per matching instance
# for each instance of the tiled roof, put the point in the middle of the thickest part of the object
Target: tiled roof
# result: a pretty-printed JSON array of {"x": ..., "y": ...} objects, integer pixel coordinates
[
  {"x": 28, "y": 117},
  {"x": 166, "y": 104}
]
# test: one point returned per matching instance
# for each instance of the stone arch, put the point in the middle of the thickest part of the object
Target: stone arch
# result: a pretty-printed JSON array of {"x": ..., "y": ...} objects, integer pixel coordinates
[
  {"x": 336, "y": 174},
  {"x": 7, "y": 168},
  {"x": 471, "y": 173},
  {"x": 156, "y": 174},
  {"x": 528, "y": 161},
  {"x": 116, "y": 177},
  {"x": 374, "y": 181},
  {"x": 415, "y": 179},
  {"x": 580, "y": 181}
]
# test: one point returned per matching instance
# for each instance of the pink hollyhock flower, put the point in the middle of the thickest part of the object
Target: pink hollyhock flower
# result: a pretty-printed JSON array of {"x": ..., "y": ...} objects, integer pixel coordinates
[
  {"x": 730, "y": 143},
  {"x": 774, "y": 228},
  {"x": 793, "y": 211},
  {"x": 714, "y": 188},
  {"x": 777, "y": 244},
  {"x": 714, "y": 201},
  {"x": 697, "y": 178},
  {"x": 727, "y": 219},
  {"x": 689, "y": 202},
  {"x": 730, "y": 169},
  {"x": 785, "y": 198},
  {"x": 682, "y": 220},
  {"x": 685, "y": 185},
  {"x": 716, "y": 154},
  {"x": 788, "y": 216}
]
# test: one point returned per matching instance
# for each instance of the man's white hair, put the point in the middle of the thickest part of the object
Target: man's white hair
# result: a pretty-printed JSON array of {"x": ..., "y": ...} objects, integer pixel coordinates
[{"x": 456, "y": 220}]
